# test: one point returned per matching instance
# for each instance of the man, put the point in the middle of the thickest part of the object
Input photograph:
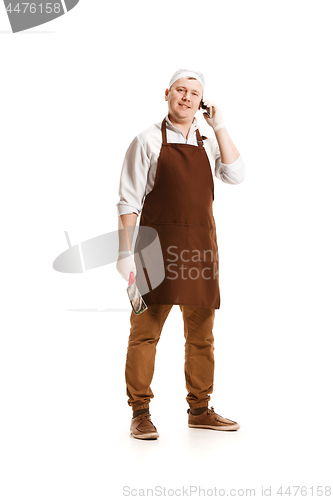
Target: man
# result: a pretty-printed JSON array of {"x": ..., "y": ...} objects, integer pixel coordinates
[{"x": 167, "y": 175}]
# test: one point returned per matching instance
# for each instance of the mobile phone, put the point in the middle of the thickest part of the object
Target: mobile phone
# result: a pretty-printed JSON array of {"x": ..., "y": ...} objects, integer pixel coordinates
[{"x": 207, "y": 109}]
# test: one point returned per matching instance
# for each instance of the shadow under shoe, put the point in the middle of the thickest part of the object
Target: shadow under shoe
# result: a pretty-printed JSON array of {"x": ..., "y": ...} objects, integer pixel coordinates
[{"x": 143, "y": 428}]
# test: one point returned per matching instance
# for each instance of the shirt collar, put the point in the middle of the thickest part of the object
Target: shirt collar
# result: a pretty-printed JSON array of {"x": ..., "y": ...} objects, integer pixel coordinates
[{"x": 193, "y": 127}]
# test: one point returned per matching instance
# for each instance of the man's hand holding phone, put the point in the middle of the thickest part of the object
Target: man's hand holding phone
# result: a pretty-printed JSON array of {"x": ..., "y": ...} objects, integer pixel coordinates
[
  {"x": 208, "y": 110},
  {"x": 214, "y": 116}
]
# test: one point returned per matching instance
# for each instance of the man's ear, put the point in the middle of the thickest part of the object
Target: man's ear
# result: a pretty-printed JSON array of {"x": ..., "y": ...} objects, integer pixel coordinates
[{"x": 166, "y": 94}]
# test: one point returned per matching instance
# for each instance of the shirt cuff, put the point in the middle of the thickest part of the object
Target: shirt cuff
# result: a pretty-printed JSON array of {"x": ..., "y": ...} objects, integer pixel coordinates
[
  {"x": 126, "y": 209},
  {"x": 232, "y": 173},
  {"x": 234, "y": 165}
]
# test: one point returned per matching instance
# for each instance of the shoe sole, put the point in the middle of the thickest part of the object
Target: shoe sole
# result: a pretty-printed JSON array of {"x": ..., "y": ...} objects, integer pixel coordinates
[
  {"x": 152, "y": 435},
  {"x": 216, "y": 427}
]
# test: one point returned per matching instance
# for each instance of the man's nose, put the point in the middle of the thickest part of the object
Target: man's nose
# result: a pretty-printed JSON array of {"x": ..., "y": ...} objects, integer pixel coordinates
[{"x": 186, "y": 96}]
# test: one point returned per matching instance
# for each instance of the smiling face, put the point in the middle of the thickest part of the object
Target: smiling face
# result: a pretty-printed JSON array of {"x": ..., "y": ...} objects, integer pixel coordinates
[{"x": 184, "y": 97}]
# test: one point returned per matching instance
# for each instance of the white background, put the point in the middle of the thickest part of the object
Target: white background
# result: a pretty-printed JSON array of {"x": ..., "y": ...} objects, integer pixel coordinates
[{"x": 74, "y": 93}]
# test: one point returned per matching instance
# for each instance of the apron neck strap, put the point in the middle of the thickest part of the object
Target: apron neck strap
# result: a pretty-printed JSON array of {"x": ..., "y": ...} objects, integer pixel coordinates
[
  {"x": 199, "y": 139},
  {"x": 164, "y": 136}
]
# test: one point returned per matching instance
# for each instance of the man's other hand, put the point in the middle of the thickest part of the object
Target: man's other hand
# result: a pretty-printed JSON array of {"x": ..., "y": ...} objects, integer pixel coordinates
[{"x": 126, "y": 265}]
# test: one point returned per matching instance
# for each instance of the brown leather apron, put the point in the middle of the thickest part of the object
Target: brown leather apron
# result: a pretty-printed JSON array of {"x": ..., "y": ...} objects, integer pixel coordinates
[{"x": 180, "y": 209}]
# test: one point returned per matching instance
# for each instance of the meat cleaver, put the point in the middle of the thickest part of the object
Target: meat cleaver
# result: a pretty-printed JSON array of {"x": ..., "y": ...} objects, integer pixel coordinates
[{"x": 136, "y": 300}]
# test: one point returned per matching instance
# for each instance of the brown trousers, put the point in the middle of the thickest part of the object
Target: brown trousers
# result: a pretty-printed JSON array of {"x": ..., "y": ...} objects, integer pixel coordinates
[{"x": 199, "y": 354}]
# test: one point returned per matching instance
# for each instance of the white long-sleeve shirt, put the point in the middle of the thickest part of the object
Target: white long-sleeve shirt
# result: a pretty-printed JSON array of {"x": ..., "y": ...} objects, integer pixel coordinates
[{"x": 140, "y": 163}]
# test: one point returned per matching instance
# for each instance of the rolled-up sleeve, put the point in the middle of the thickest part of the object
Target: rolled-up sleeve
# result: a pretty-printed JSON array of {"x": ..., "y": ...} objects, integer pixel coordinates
[
  {"x": 232, "y": 173},
  {"x": 133, "y": 179}
]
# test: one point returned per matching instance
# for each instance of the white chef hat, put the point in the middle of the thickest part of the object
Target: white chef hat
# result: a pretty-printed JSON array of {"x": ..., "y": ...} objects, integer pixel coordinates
[{"x": 181, "y": 73}]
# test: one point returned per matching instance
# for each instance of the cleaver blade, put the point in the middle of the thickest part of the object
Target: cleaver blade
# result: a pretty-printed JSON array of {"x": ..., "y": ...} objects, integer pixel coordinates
[{"x": 136, "y": 300}]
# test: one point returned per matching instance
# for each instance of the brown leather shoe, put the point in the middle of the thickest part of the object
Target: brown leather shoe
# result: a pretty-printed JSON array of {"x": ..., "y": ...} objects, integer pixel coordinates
[
  {"x": 143, "y": 428},
  {"x": 211, "y": 420}
]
